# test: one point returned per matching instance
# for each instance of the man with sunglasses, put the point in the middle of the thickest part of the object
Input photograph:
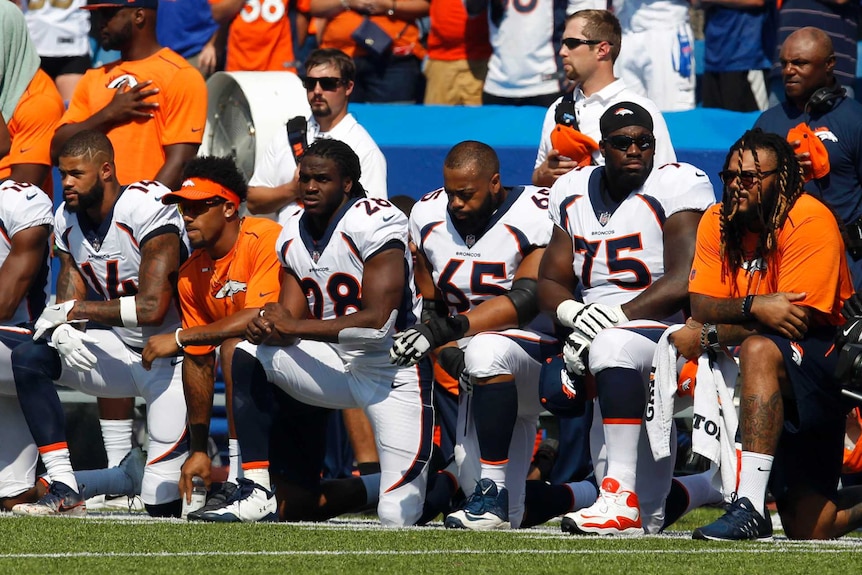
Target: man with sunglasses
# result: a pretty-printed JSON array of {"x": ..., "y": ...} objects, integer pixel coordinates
[
  {"x": 770, "y": 275},
  {"x": 625, "y": 232},
  {"x": 123, "y": 244},
  {"x": 590, "y": 46},
  {"x": 329, "y": 83}
]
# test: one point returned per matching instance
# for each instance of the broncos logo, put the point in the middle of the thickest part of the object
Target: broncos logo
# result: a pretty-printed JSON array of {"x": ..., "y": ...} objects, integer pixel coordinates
[
  {"x": 231, "y": 288},
  {"x": 125, "y": 80},
  {"x": 825, "y": 134}
]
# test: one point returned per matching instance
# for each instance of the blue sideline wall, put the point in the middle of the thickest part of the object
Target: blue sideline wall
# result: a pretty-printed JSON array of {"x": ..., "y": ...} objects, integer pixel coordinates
[{"x": 415, "y": 139}]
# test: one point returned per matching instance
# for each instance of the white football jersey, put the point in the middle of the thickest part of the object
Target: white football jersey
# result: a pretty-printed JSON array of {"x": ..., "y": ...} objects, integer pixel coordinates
[
  {"x": 331, "y": 270},
  {"x": 469, "y": 270},
  {"x": 109, "y": 257},
  {"x": 619, "y": 249},
  {"x": 24, "y": 206}
]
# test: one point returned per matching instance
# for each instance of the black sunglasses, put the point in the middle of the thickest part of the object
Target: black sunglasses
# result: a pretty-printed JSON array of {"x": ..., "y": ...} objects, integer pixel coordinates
[
  {"x": 623, "y": 143},
  {"x": 197, "y": 207},
  {"x": 327, "y": 83},
  {"x": 746, "y": 178},
  {"x": 572, "y": 43}
]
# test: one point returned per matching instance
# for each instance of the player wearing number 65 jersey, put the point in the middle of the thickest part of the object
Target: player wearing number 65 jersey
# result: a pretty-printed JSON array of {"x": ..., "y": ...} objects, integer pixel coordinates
[
  {"x": 123, "y": 244},
  {"x": 626, "y": 232},
  {"x": 478, "y": 249},
  {"x": 347, "y": 265}
]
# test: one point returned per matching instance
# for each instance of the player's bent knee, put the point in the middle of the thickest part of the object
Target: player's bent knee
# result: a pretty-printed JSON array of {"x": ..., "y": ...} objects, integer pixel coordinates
[
  {"x": 169, "y": 509},
  {"x": 36, "y": 357},
  {"x": 759, "y": 349}
]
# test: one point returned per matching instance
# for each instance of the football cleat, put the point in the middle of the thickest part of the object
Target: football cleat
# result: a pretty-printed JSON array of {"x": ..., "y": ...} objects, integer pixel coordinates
[
  {"x": 484, "y": 510},
  {"x": 741, "y": 522},
  {"x": 59, "y": 500},
  {"x": 113, "y": 503},
  {"x": 615, "y": 512},
  {"x": 249, "y": 503},
  {"x": 215, "y": 501}
]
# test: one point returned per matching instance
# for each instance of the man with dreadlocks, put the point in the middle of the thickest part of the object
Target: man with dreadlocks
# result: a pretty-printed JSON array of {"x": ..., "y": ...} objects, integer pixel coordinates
[
  {"x": 347, "y": 286},
  {"x": 769, "y": 275}
]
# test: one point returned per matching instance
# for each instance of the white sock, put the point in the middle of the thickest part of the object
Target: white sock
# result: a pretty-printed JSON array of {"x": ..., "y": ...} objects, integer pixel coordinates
[
  {"x": 234, "y": 460},
  {"x": 754, "y": 477},
  {"x": 260, "y": 476},
  {"x": 496, "y": 472},
  {"x": 372, "y": 488},
  {"x": 699, "y": 489},
  {"x": 111, "y": 481},
  {"x": 59, "y": 467},
  {"x": 584, "y": 494},
  {"x": 117, "y": 437},
  {"x": 621, "y": 440}
]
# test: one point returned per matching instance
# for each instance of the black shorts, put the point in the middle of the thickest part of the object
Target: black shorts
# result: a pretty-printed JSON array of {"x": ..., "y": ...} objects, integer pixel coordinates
[
  {"x": 811, "y": 447},
  {"x": 59, "y": 65}
]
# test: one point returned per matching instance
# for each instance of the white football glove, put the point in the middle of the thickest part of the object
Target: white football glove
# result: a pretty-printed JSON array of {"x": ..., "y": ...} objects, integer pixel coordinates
[
  {"x": 568, "y": 311},
  {"x": 51, "y": 317},
  {"x": 410, "y": 346},
  {"x": 595, "y": 317},
  {"x": 575, "y": 353},
  {"x": 70, "y": 344}
]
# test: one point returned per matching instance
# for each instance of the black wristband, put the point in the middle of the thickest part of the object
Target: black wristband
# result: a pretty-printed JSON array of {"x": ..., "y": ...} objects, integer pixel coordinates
[
  {"x": 451, "y": 360},
  {"x": 446, "y": 329},
  {"x": 746, "y": 307},
  {"x": 198, "y": 437}
]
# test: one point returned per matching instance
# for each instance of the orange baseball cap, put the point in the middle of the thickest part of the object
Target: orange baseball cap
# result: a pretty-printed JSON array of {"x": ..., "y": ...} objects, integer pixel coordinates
[
  {"x": 573, "y": 144},
  {"x": 196, "y": 189},
  {"x": 810, "y": 143}
]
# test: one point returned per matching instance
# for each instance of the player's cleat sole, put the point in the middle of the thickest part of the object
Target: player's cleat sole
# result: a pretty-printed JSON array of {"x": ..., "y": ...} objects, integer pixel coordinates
[
  {"x": 59, "y": 500},
  {"x": 249, "y": 503},
  {"x": 485, "y": 510}
]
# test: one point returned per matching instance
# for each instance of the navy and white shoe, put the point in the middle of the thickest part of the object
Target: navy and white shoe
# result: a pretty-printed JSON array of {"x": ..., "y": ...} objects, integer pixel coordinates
[
  {"x": 741, "y": 522},
  {"x": 216, "y": 501},
  {"x": 484, "y": 510},
  {"x": 59, "y": 500},
  {"x": 249, "y": 503}
]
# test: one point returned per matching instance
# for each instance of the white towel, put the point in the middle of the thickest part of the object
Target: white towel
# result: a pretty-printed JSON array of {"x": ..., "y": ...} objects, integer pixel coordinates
[
  {"x": 662, "y": 392},
  {"x": 715, "y": 419}
]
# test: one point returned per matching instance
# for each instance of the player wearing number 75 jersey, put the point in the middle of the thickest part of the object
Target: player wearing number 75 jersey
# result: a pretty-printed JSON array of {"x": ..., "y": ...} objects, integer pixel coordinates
[
  {"x": 478, "y": 249},
  {"x": 626, "y": 233},
  {"x": 123, "y": 244}
]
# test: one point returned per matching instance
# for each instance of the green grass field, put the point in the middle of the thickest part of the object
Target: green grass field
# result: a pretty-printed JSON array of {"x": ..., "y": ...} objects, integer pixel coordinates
[{"x": 115, "y": 544}]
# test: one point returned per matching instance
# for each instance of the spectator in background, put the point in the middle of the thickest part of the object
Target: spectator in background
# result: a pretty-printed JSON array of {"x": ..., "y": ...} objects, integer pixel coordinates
[
  {"x": 658, "y": 58},
  {"x": 739, "y": 42},
  {"x": 838, "y": 18},
  {"x": 523, "y": 70},
  {"x": 458, "y": 52},
  {"x": 329, "y": 84},
  {"x": 187, "y": 27},
  {"x": 60, "y": 32},
  {"x": 29, "y": 102},
  {"x": 394, "y": 74},
  {"x": 570, "y": 132},
  {"x": 259, "y": 35},
  {"x": 818, "y": 115}
]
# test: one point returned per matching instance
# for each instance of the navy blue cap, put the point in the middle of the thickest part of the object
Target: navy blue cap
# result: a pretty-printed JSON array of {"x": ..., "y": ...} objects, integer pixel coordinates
[{"x": 96, "y": 4}]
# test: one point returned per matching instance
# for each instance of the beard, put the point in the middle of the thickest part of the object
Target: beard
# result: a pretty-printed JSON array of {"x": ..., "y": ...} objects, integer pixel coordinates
[
  {"x": 476, "y": 221},
  {"x": 92, "y": 199},
  {"x": 119, "y": 40}
]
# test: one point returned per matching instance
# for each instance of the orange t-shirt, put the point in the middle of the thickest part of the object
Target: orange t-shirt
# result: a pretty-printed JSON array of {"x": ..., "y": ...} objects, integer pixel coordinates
[
  {"x": 179, "y": 119},
  {"x": 260, "y": 38},
  {"x": 32, "y": 126},
  {"x": 405, "y": 35},
  {"x": 454, "y": 36},
  {"x": 809, "y": 258},
  {"x": 246, "y": 277}
]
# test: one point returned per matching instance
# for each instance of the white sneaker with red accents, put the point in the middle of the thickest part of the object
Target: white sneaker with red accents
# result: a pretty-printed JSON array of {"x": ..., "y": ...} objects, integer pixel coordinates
[{"x": 615, "y": 512}]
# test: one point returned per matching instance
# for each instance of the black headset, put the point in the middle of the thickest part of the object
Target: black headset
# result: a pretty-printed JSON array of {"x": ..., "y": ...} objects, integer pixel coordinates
[{"x": 822, "y": 99}]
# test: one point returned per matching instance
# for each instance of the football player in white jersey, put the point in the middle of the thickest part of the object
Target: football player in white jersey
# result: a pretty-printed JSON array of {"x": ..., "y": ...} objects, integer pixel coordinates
[
  {"x": 122, "y": 243},
  {"x": 347, "y": 285},
  {"x": 25, "y": 226},
  {"x": 626, "y": 233},
  {"x": 479, "y": 245}
]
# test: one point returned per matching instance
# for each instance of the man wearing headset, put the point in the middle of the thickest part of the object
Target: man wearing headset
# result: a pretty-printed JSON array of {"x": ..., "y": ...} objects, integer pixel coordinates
[{"x": 817, "y": 105}]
